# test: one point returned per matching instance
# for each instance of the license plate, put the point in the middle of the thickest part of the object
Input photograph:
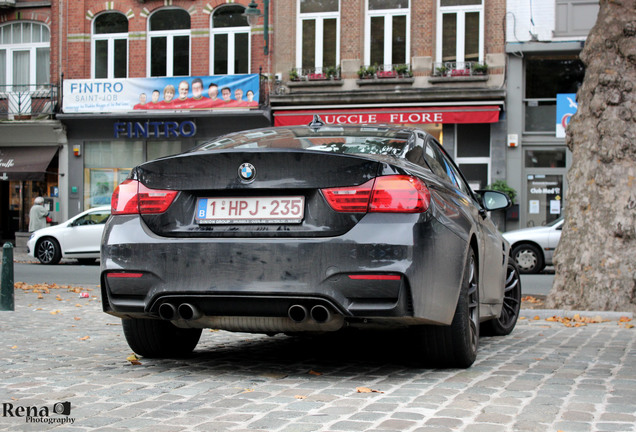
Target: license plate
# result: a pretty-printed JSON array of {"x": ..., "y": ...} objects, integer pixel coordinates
[{"x": 253, "y": 210}]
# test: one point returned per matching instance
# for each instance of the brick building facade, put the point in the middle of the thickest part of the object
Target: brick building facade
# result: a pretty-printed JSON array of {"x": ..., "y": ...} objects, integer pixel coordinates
[{"x": 434, "y": 64}]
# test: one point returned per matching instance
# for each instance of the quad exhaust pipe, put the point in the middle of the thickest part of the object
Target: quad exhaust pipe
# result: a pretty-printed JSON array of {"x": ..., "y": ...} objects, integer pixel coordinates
[{"x": 297, "y": 313}]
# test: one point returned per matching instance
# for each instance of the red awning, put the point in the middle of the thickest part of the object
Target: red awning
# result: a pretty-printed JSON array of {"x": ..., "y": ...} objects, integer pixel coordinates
[{"x": 423, "y": 115}]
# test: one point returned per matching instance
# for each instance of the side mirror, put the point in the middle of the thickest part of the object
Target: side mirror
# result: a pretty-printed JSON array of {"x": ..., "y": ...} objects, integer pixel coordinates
[{"x": 493, "y": 200}]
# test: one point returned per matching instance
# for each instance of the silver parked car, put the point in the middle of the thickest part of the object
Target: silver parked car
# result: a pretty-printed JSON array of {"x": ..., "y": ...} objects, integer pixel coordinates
[{"x": 533, "y": 248}]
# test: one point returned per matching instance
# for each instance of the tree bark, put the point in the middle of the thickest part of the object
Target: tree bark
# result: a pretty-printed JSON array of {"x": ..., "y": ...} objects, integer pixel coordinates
[{"x": 595, "y": 261}]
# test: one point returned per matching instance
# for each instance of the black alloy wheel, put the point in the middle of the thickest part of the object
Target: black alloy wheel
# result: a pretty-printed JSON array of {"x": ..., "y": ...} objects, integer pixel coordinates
[
  {"x": 454, "y": 346},
  {"x": 48, "y": 251},
  {"x": 505, "y": 323}
]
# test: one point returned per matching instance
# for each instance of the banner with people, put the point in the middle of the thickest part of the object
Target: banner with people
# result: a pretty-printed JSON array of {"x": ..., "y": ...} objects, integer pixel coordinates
[{"x": 165, "y": 93}]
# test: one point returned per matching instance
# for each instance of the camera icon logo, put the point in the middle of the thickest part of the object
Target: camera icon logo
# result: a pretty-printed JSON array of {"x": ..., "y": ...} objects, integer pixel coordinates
[{"x": 62, "y": 408}]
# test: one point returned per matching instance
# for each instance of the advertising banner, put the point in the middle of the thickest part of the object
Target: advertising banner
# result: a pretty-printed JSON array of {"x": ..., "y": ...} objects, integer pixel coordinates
[
  {"x": 566, "y": 108},
  {"x": 165, "y": 93}
]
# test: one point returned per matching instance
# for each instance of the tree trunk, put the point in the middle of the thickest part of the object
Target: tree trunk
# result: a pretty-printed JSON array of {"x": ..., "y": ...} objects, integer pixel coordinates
[{"x": 595, "y": 261}]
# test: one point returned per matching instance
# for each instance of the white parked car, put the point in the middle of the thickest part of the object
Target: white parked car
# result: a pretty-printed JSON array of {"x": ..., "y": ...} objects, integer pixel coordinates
[
  {"x": 533, "y": 248},
  {"x": 79, "y": 237}
]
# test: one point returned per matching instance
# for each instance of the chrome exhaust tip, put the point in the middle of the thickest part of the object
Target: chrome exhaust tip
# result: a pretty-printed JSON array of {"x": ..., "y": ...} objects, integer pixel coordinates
[
  {"x": 189, "y": 312},
  {"x": 297, "y": 313},
  {"x": 320, "y": 314},
  {"x": 167, "y": 311}
]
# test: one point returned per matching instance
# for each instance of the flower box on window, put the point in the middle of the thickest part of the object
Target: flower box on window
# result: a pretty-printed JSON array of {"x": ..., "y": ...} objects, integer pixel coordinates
[
  {"x": 316, "y": 76},
  {"x": 386, "y": 74},
  {"x": 460, "y": 72}
]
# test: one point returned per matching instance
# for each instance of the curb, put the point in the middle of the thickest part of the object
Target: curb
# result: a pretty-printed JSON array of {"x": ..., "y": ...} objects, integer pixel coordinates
[{"x": 548, "y": 313}]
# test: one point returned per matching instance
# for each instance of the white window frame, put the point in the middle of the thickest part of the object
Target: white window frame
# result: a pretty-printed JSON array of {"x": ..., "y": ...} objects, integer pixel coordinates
[
  {"x": 320, "y": 18},
  {"x": 482, "y": 160},
  {"x": 110, "y": 38},
  {"x": 169, "y": 35},
  {"x": 461, "y": 12},
  {"x": 231, "y": 32},
  {"x": 388, "y": 14},
  {"x": 31, "y": 47}
]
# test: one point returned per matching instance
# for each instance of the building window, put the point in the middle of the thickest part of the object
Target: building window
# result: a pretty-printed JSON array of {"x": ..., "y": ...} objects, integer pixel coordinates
[
  {"x": 110, "y": 46},
  {"x": 108, "y": 163},
  {"x": 545, "y": 78},
  {"x": 24, "y": 55},
  {"x": 230, "y": 45},
  {"x": 318, "y": 35},
  {"x": 387, "y": 32},
  {"x": 169, "y": 47},
  {"x": 472, "y": 153},
  {"x": 460, "y": 40}
]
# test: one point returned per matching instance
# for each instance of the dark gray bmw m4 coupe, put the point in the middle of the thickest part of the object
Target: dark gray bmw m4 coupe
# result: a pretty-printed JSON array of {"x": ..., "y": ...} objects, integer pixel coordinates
[{"x": 308, "y": 230}]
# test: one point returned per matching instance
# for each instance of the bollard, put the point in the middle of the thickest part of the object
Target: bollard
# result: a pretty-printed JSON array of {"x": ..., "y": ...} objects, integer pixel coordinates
[{"x": 6, "y": 289}]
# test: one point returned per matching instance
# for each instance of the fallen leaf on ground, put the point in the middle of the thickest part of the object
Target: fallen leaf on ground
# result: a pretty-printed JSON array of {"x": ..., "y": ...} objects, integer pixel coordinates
[
  {"x": 300, "y": 397},
  {"x": 133, "y": 359},
  {"x": 55, "y": 312},
  {"x": 85, "y": 338},
  {"x": 624, "y": 319},
  {"x": 312, "y": 372},
  {"x": 530, "y": 299},
  {"x": 367, "y": 390}
]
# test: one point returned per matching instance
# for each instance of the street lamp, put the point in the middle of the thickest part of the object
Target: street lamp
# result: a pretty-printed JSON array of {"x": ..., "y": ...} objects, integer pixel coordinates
[{"x": 252, "y": 13}]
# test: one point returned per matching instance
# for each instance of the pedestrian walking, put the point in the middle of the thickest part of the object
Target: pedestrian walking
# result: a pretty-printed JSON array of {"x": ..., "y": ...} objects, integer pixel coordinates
[{"x": 38, "y": 215}]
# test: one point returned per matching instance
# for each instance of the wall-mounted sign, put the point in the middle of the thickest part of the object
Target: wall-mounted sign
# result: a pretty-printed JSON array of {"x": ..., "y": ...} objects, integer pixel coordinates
[
  {"x": 154, "y": 129},
  {"x": 167, "y": 93},
  {"x": 566, "y": 108},
  {"x": 390, "y": 115}
]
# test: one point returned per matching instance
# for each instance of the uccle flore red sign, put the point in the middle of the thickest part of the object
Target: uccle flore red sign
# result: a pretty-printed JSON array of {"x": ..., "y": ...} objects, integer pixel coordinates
[{"x": 423, "y": 115}]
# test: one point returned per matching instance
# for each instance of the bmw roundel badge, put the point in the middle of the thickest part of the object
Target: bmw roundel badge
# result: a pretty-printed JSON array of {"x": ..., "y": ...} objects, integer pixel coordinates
[{"x": 247, "y": 172}]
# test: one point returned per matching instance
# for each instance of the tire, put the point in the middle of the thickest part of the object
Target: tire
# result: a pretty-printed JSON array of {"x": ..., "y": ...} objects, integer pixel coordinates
[
  {"x": 455, "y": 345},
  {"x": 528, "y": 257},
  {"x": 48, "y": 251},
  {"x": 159, "y": 339},
  {"x": 505, "y": 323}
]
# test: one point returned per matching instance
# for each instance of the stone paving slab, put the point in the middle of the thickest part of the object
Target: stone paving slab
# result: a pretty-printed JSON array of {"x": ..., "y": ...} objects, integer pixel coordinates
[{"x": 543, "y": 377}]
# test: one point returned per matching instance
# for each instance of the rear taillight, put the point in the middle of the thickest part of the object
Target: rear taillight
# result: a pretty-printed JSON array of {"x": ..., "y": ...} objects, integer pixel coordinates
[
  {"x": 132, "y": 197},
  {"x": 388, "y": 194}
]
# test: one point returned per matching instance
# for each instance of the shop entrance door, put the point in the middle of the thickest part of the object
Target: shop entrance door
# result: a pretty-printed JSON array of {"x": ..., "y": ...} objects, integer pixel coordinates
[{"x": 545, "y": 186}]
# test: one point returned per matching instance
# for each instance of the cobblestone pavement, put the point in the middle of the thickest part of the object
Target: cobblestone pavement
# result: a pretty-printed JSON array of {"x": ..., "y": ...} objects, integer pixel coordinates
[{"x": 543, "y": 377}]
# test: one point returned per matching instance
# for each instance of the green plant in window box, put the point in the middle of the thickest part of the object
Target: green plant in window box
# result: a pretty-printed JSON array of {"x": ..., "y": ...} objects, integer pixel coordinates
[
  {"x": 480, "y": 69},
  {"x": 371, "y": 70},
  {"x": 293, "y": 75},
  {"x": 403, "y": 70},
  {"x": 441, "y": 71},
  {"x": 502, "y": 186},
  {"x": 362, "y": 72},
  {"x": 330, "y": 72}
]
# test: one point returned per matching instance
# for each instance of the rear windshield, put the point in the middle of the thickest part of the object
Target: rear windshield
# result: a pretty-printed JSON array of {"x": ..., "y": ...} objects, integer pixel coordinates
[{"x": 358, "y": 140}]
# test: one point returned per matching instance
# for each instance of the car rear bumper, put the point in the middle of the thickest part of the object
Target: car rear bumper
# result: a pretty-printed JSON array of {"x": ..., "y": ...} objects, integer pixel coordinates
[{"x": 367, "y": 274}]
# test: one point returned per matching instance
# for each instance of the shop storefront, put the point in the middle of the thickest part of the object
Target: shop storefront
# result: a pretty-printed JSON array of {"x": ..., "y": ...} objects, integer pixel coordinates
[
  {"x": 472, "y": 133},
  {"x": 103, "y": 149},
  {"x": 29, "y": 167}
]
